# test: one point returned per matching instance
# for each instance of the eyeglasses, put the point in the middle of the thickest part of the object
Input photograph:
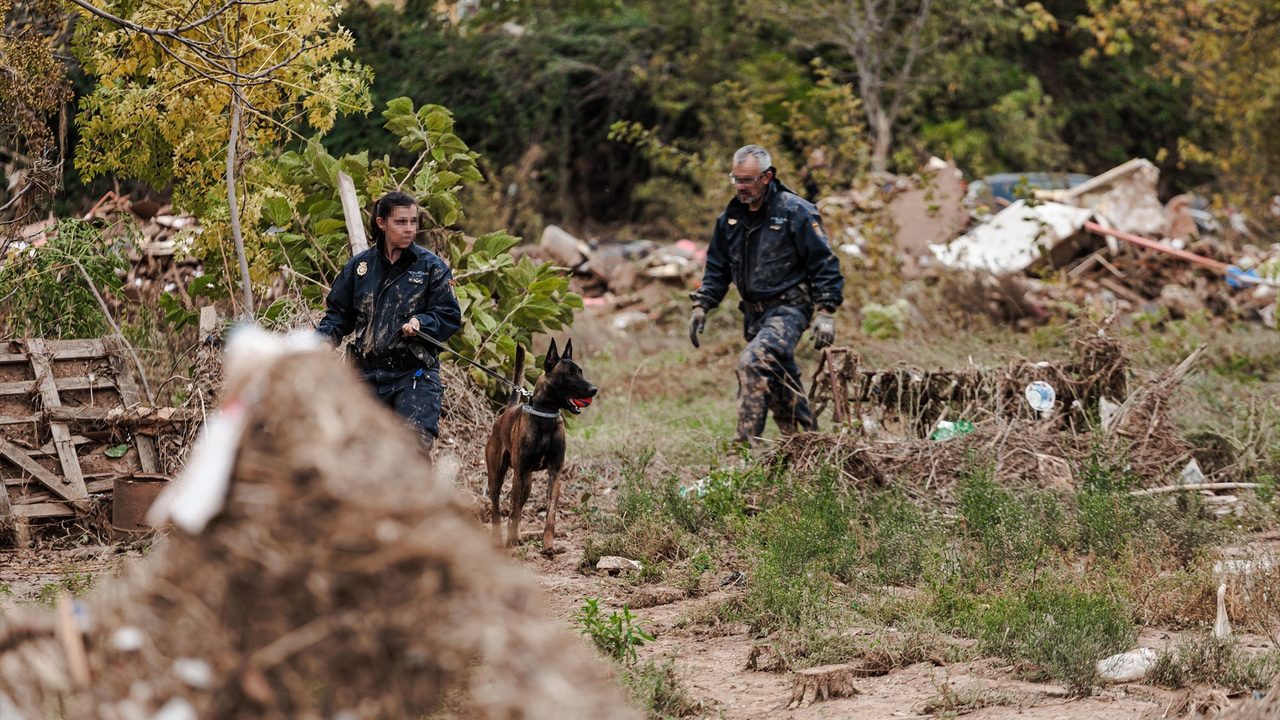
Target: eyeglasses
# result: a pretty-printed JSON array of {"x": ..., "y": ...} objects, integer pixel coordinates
[{"x": 745, "y": 179}]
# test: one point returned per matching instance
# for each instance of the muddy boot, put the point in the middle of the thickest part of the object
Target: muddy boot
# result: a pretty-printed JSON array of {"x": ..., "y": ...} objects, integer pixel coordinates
[{"x": 427, "y": 441}]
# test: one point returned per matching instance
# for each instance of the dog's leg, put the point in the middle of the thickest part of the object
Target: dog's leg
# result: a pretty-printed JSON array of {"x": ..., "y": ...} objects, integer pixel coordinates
[
  {"x": 497, "y": 467},
  {"x": 553, "y": 500},
  {"x": 521, "y": 481}
]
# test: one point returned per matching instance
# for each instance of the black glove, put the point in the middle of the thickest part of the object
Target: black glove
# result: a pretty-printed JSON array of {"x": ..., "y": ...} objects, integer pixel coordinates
[
  {"x": 697, "y": 322},
  {"x": 824, "y": 329}
]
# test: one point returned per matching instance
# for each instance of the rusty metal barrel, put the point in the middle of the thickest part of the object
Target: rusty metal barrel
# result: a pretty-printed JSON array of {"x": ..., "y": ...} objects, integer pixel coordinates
[{"x": 130, "y": 500}]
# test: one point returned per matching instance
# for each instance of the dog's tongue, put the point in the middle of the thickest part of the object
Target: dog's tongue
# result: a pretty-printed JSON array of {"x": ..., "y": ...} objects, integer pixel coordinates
[{"x": 581, "y": 402}]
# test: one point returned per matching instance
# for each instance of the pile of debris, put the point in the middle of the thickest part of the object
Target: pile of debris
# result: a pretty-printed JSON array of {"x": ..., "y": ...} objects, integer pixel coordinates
[
  {"x": 921, "y": 428},
  {"x": 154, "y": 238},
  {"x": 319, "y": 568},
  {"x": 1098, "y": 237},
  {"x": 634, "y": 279}
]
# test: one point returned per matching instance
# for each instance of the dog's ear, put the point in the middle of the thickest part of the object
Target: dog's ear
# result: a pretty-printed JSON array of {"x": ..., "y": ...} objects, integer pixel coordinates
[
  {"x": 568, "y": 350},
  {"x": 552, "y": 357}
]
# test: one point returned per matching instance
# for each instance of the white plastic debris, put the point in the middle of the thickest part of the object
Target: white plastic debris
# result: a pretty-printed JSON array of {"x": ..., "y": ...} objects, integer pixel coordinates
[
  {"x": 1014, "y": 239},
  {"x": 194, "y": 672},
  {"x": 1041, "y": 396},
  {"x": 1191, "y": 474},
  {"x": 128, "y": 639},
  {"x": 1107, "y": 409},
  {"x": 176, "y": 709},
  {"x": 1222, "y": 625},
  {"x": 198, "y": 494},
  {"x": 1127, "y": 667}
]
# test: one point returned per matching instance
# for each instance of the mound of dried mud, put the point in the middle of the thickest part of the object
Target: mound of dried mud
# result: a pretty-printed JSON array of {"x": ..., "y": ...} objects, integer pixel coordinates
[{"x": 342, "y": 579}]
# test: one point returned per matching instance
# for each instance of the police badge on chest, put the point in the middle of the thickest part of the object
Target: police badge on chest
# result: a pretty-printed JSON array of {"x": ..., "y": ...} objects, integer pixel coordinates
[{"x": 417, "y": 277}]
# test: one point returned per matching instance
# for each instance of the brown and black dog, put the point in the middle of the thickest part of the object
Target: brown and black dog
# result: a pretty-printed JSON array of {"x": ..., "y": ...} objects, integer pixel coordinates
[{"x": 530, "y": 436}]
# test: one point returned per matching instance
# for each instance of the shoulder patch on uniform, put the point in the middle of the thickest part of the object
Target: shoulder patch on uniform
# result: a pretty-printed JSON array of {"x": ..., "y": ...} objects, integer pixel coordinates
[
  {"x": 817, "y": 228},
  {"x": 362, "y": 268}
]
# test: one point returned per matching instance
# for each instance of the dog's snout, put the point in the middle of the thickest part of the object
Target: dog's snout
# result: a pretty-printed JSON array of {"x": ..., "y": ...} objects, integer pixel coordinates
[{"x": 592, "y": 392}]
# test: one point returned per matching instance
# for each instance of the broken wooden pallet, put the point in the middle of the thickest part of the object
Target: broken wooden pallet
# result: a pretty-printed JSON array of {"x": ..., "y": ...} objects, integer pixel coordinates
[{"x": 62, "y": 404}]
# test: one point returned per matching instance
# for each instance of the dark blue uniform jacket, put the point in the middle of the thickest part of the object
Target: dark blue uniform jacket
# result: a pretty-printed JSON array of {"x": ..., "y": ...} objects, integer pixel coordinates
[
  {"x": 375, "y": 298},
  {"x": 786, "y": 248}
]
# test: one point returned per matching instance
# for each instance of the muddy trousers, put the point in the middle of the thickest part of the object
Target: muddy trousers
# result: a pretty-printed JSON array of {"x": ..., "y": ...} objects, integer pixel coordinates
[
  {"x": 768, "y": 376},
  {"x": 415, "y": 395}
]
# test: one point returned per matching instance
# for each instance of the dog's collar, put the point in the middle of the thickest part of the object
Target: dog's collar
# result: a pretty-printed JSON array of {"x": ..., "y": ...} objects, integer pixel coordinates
[{"x": 541, "y": 413}]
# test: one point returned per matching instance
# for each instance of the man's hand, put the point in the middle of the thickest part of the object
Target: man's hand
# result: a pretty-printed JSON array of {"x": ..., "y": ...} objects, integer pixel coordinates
[
  {"x": 411, "y": 327},
  {"x": 824, "y": 329},
  {"x": 697, "y": 322}
]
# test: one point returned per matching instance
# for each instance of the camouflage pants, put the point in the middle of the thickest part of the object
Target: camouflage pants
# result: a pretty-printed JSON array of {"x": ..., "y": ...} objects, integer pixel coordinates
[{"x": 768, "y": 377}]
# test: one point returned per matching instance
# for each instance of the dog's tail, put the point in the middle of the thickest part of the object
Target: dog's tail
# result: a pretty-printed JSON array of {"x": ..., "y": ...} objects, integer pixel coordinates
[{"x": 517, "y": 377}]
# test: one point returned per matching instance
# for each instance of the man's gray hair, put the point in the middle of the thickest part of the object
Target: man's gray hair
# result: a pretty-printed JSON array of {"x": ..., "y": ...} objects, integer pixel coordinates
[{"x": 755, "y": 151}]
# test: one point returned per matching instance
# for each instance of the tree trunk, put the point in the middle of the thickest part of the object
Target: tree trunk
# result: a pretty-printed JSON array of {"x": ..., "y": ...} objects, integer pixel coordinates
[
  {"x": 882, "y": 139},
  {"x": 233, "y": 208}
]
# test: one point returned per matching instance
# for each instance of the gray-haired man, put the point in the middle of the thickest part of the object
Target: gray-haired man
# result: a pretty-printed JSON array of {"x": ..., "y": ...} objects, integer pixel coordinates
[{"x": 769, "y": 242}]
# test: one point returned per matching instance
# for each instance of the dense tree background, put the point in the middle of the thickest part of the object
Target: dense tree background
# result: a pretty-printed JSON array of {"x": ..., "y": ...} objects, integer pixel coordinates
[{"x": 607, "y": 112}]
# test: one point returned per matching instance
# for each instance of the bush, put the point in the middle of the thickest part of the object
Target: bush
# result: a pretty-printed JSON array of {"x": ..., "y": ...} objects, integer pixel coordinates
[{"x": 1059, "y": 626}]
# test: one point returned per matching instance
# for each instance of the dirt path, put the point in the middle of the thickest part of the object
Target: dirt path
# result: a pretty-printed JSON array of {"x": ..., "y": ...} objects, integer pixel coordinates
[{"x": 712, "y": 666}]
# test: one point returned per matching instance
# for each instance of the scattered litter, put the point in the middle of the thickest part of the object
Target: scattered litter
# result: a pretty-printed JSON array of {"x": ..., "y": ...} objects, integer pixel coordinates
[
  {"x": 176, "y": 709},
  {"x": 1222, "y": 625},
  {"x": 194, "y": 672},
  {"x": 1191, "y": 474},
  {"x": 128, "y": 639},
  {"x": 1127, "y": 667},
  {"x": 947, "y": 429},
  {"x": 1041, "y": 397}
]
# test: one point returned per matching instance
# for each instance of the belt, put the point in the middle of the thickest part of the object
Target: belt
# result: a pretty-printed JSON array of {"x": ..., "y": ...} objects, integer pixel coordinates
[
  {"x": 393, "y": 363},
  {"x": 798, "y": 295}
]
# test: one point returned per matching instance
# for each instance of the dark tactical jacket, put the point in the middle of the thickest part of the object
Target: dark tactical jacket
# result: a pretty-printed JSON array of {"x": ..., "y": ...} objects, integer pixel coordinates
[
  {"x": 375, "y": 298},
  {"x": 785, "y": 253}
]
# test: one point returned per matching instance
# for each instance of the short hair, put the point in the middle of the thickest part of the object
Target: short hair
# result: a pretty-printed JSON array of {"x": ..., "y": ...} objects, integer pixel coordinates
[
  {"x": 383, "y": 207},
  {"x": 763, "y": 159}
]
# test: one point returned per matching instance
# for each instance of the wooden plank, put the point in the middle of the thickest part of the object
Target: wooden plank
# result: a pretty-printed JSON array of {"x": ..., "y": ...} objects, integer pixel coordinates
[
  {"x": 62, "y": 350},
  {"x": 43, "y": 510},
  {"x": 6, "y": 506},
  {"x": 60, "y": 486},
  {"x": 30, "y": 387},
  {"x": 101, "y": 482},
  {"x": 21, "y": 387},
  {"x": 19, "y": 419},
  {"x": 351, "y": 214},
  {"x": 74, "y": 349},
  {"x": 128, "y": 390},
  {"x": 67, "y": 458},
  {"x": 139, "y": 415}
]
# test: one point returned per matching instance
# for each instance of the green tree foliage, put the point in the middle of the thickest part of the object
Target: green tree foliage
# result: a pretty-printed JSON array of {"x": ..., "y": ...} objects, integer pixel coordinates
[
  {"x": 44, "y": 291},
  {"x": 1225, "y": 54},
  {"x": 196, "y": 94},
  {"x": 504, "y": 302},
  {"x": 33, "y": 88}
]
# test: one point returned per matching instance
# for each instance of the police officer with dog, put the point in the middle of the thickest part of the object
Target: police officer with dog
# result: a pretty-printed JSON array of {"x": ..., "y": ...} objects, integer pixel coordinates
[
  {"x": 386, "y": 295},
  {"x": 770, "y": 243}
]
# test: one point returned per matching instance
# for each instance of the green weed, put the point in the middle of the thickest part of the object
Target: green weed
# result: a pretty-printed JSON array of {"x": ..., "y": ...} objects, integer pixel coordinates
[
  {"x": 1059, "y": 626},
  {"x": 1209, "y": 660},
  {"x": 657, "y": 689},
  {"x": 77, "y": 584},
  {"x": 617, "y": 635}
]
